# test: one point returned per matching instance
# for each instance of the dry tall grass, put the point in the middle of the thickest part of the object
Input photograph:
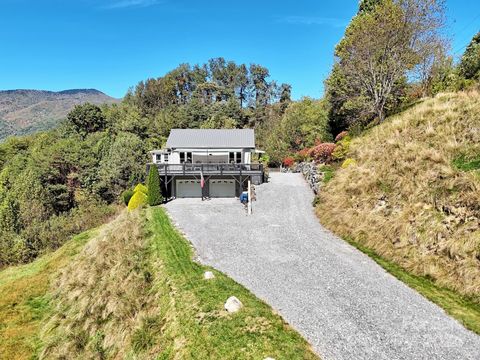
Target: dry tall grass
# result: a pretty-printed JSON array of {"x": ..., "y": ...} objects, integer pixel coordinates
[
  {"x": 405, "y": 199},
  {"x": 104, "y": 297}
]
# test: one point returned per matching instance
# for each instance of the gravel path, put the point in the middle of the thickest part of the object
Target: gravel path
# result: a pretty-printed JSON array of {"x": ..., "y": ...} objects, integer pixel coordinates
[{"x": 342, "y": 302}]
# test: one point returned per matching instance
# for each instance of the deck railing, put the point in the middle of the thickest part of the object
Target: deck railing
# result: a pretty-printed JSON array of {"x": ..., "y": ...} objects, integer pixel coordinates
[{"x": 207, "y": 168}]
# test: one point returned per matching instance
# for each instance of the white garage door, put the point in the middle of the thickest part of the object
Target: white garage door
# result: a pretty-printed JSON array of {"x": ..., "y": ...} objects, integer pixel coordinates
[
  {"x": 188, "y": 188},
  {"x": 222, "y": 188}
]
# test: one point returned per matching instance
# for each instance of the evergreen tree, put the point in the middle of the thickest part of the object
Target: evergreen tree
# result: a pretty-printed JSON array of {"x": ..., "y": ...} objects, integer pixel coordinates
[
  {"x": 470, "y": 63},
  {"x": 154, "y": 193}
]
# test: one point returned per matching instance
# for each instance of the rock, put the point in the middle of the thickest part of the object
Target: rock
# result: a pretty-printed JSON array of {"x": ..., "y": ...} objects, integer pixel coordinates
[
  {"x": 232, "y": 304},
  {"x": 208, "y": 275}
]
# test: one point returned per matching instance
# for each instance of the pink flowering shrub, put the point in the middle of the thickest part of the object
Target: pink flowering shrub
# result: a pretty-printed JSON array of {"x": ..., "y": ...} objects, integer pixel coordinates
[
  {"x": 323, "y": 152},
  {"x": 304, "y": 154},
  {"x": 341, "y": 135}
]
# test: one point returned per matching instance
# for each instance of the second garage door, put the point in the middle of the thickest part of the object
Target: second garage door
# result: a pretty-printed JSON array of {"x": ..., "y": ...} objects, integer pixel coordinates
[
  {"x": 222, "y": 188},
  {"x": 188, "y": 188}
]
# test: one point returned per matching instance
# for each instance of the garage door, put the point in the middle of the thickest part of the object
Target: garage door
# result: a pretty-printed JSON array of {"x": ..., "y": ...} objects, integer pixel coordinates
[
  {"x": 222, "y": 188},
  {"x": 188, "y": 188}
]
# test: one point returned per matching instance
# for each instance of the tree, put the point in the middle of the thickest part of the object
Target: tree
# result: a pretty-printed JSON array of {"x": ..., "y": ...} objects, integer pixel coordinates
[
  {"x": 87, "y": 118},
  {"x": 470, "y": 63},
  {"x": 154, "y": 192},
  {"x": 383, "y": 46}
]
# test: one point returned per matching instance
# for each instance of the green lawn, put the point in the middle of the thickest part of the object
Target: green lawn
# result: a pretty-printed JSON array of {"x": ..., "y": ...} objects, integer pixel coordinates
[{"x": 25, "y": 299}]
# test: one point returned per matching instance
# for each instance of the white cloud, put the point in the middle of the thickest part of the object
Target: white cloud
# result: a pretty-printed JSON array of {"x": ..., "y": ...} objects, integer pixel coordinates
[
  {"x": 313, "y": 20},
  {"x": 122, "y": 4}
]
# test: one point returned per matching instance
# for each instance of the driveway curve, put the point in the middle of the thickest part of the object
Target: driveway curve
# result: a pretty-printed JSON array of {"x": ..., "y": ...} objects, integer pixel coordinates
[{"x": 339, "y": 299}]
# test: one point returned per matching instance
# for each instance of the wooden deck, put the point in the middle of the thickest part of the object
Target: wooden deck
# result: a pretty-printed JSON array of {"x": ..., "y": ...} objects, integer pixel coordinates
[{"x": 207, "y": 169}]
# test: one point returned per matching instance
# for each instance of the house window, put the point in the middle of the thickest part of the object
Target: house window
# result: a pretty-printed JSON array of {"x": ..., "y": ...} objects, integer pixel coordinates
[
  {"x": 239, "y": 157},
  {"x": 231, "y": 157},
  {"x": 189, "y": 157},
  {"x": 158, "y": 158},
  {"x": 165, "y": 157},
  {"x": 182, "y": 157}
]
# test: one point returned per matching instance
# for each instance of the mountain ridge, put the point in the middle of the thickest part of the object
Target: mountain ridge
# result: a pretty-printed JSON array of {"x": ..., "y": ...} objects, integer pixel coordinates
[{"x": 24, "y": 111}]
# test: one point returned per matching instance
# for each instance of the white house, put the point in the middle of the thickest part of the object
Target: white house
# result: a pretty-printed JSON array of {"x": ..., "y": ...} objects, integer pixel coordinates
[{"x": 222, "y": 157}]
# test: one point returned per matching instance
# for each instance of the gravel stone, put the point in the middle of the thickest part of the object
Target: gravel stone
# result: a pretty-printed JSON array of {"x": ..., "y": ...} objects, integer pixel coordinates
[{"x": 339, "y": 299}]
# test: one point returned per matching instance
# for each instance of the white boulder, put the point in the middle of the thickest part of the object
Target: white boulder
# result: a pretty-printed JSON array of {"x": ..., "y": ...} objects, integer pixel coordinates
[
  {"x": 208, "y": 275},
  {"x": 233, "y": 304}
]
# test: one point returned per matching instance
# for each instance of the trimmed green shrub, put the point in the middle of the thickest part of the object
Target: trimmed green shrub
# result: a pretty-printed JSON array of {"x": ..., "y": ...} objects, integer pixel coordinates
[
  {"x": 154, "y": 192},
  {"x": 138, "y": 199},
  {"x": 141, "y": 188},
  {"x": 127, "y": 195}
]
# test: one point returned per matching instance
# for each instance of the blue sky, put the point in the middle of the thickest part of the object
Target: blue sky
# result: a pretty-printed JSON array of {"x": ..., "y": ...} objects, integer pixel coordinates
[{"x": 110, "y": 45}]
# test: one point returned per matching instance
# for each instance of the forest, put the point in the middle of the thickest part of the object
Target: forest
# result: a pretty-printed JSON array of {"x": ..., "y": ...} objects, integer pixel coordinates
[{"x": 57, "y": 183}]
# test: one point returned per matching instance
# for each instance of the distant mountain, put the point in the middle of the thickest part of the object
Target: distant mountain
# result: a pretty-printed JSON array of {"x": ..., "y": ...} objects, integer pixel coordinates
[{"x": 26, "y": 111}]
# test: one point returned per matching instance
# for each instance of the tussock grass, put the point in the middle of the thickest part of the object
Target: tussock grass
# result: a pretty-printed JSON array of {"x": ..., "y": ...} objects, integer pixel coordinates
[
  {"x": 105, "y": 305},
  {"x": 413, "y": 196}
]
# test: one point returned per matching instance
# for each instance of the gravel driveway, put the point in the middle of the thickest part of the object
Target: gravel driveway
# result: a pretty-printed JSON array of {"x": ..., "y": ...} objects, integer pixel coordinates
[{"x": 342, "y": 302}]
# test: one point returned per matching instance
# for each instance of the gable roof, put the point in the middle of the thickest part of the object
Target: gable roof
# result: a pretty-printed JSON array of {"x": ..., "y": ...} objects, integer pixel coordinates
[{"x": 211, "y": 138}]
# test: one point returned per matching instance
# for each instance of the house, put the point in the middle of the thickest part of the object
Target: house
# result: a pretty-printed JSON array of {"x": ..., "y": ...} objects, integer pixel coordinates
[{"x": 221, "y": 157}]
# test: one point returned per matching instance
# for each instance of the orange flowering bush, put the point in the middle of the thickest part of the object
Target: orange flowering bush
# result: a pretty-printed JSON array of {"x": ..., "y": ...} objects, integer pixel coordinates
[{"x": 288, "y": 161}]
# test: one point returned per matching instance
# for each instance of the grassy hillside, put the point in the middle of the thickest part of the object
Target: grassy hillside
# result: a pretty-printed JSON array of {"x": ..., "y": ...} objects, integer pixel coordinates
[
  {"x": 27, "y": 111},
  {"x": 133, "y": 291},
  {"x": 413, "y": 196}
]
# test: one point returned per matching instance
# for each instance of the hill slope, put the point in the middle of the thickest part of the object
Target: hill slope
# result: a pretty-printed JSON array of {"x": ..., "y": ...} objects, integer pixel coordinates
[
  {"x": 26, "y": 111},
  {"x": 131, "y": 290},
  {"x": 413, "y": 195}
]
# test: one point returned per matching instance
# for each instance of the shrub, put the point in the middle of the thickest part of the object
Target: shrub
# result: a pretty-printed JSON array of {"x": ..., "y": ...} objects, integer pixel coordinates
[
  {"x": 323, "y": 152},
  {"x": 342, "y": 148},
  {"x": 348, "y": 162},
  {"x": 304, "y": 154},
  {"x": 341, "y": 135},
  {"x": 288, "y": 161},
  {"x": 154, "y": 192},
  {"x": 127, "y": 195},
  {"x": 138, "y": 199},
  {"x": 141, "y": 188}
]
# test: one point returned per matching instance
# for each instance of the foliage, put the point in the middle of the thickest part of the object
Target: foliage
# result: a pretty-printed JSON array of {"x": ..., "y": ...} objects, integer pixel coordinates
[
  {"x": 303, "y": 123},
  {"x": 342, "y": 148},
  {"x": 127, "y": 195},
  {"x": 138, "y": 199},
  {"x": 87, "y": 118},
  {"x": 469, "y": 66},
  {"x": 154, "y": 192},
  {"x": 288, "y": 161}
]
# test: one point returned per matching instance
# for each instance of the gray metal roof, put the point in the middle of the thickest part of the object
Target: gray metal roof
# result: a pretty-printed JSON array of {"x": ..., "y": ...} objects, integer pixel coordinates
[{"x": 211, "y": 138}]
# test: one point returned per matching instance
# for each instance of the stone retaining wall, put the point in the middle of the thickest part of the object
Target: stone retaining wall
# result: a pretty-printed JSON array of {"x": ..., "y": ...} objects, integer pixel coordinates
[{"x": 311, "y": 173}]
